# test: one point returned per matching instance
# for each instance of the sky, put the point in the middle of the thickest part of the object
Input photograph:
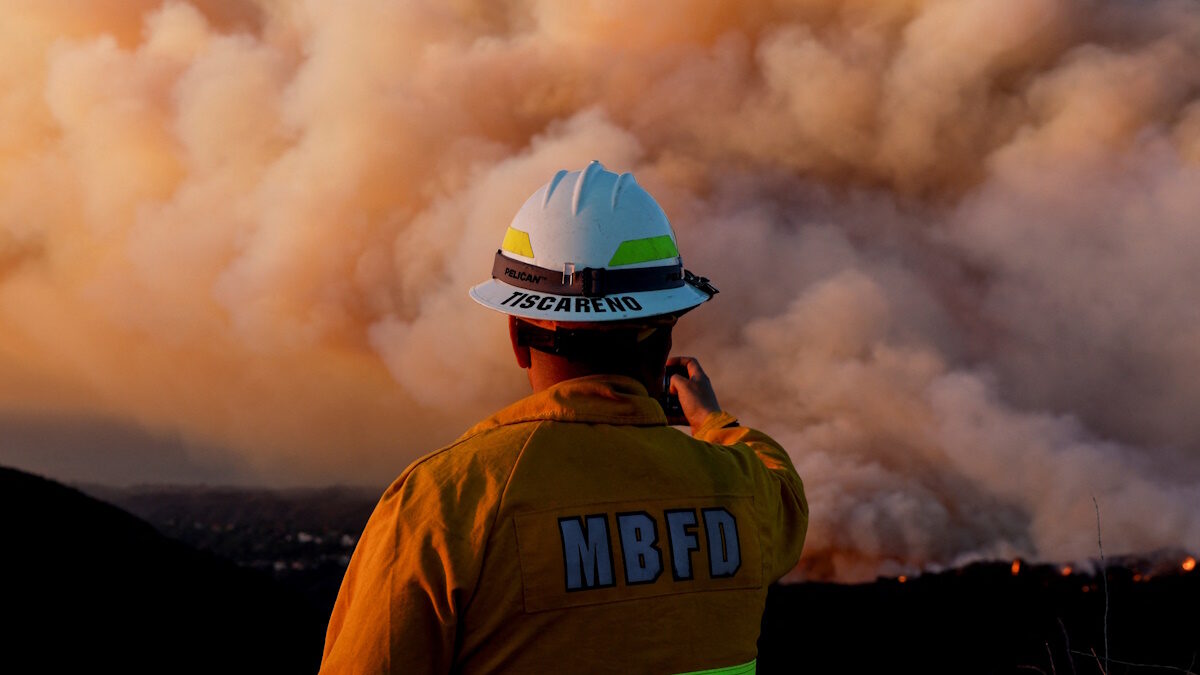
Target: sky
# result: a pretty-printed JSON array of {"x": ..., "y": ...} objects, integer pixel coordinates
[{"x": 956, "y": 242}]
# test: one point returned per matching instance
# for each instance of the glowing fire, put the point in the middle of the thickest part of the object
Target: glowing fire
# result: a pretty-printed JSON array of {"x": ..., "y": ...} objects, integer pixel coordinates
[
  {"x": 1016, "y": 567},
  {"x": 1189, "y": 564},
  {"x": 902, "y": 578},
  {"x": 1066, "y": 570}
]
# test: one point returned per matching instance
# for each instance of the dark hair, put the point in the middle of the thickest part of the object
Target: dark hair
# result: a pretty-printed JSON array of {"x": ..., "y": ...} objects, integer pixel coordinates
[{"x": 619, "y": 348}]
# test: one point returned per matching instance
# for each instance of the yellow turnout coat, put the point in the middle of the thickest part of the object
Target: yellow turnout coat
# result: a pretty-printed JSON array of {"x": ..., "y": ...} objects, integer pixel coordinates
[{"x": 573, "y": 531}]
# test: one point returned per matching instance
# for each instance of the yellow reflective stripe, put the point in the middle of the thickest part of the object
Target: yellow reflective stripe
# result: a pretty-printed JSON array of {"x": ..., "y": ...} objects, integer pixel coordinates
[
  {"x": 516, "y": 241},
  {"x": 644, "y": 250},
  {"x": 743, "y": 669}
]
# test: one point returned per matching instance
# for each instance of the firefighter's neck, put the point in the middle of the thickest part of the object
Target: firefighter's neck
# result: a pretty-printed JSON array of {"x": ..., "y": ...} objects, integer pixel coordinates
[{"x": 546, "y": 370}]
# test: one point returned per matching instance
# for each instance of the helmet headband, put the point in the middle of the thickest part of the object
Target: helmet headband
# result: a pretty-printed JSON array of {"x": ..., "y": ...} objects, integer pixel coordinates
[{"x": 589, "y": 282}]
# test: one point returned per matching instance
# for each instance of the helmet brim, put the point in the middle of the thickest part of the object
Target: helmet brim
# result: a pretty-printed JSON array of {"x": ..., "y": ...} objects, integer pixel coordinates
[{"x": 515, "y": 301}]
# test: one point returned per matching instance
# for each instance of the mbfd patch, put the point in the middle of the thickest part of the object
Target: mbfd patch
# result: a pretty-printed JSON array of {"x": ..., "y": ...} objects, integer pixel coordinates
[{"x": 610, "y": 552}]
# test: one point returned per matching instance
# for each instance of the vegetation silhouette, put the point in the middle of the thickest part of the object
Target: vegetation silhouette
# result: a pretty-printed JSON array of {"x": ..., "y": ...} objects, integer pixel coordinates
[{"x": 86, "y": 585}]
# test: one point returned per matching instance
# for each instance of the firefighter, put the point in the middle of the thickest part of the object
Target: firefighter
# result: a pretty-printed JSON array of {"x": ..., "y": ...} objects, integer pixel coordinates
[{"x": 576, "y": 531}]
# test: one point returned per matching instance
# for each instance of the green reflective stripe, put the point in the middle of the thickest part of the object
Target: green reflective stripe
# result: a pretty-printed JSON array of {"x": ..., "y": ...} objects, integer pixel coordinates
[
  {"x": 743, "y": 669},
  {"x": 516, "y": 241},
  {"x": 644, "y": 250}
]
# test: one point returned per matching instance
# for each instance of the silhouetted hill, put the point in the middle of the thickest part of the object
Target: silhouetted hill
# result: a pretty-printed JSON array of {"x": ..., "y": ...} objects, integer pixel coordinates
[
  {"x": 979, "y": 620},
  {"x": 87, "y": 587},
  {"x": 985, "y": 619}
]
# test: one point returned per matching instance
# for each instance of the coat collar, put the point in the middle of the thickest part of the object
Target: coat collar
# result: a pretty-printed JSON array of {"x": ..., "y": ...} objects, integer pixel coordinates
[{"x": 595, "y": 399}]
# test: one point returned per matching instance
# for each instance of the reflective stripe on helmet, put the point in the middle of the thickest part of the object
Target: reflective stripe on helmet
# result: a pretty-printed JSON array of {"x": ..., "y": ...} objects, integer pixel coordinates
[
  {"x": 635, "y": 251},
  {"x": 516, "y": 241},
  {"x": 742, "y": 669}
]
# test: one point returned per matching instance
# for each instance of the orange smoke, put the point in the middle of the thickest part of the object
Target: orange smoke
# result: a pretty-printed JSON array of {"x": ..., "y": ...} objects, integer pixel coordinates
[{"x": 955, "y": 240}]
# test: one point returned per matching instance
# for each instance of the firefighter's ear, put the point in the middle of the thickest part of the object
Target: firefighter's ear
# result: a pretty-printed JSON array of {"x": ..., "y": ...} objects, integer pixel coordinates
[{"x": 520, "y": 351}]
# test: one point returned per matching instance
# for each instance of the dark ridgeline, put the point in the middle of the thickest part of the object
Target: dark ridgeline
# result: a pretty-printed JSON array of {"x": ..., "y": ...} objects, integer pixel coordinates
[
  {"x": 91, "y": 585},
  {"x": 86, "y": 587},
  {"x": 983, "y": 619}
]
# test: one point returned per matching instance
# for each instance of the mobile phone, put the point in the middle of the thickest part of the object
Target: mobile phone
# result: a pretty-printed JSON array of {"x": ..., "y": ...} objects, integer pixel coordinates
[{"x": 670, "y": 402}]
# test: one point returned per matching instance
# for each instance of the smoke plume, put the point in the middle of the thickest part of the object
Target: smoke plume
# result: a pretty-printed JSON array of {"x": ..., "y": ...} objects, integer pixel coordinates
[{"x": 956, "y": 240}]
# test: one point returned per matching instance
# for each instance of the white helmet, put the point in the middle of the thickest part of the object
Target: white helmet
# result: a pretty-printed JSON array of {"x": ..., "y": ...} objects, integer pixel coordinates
[{"x": 590, "y": 246}]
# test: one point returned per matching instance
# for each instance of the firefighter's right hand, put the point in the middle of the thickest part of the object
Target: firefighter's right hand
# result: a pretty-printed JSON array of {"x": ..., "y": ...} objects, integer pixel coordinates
[{"x": 695, "y": 392}]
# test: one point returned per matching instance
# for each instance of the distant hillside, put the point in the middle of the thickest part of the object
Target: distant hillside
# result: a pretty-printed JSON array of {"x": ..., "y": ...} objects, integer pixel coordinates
[
  {"x": 343, "y": 509},
  {"x": 301, "y": 537},
  {"x": 983, "y": 619},
  {"x": 86, "y": 586}
]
